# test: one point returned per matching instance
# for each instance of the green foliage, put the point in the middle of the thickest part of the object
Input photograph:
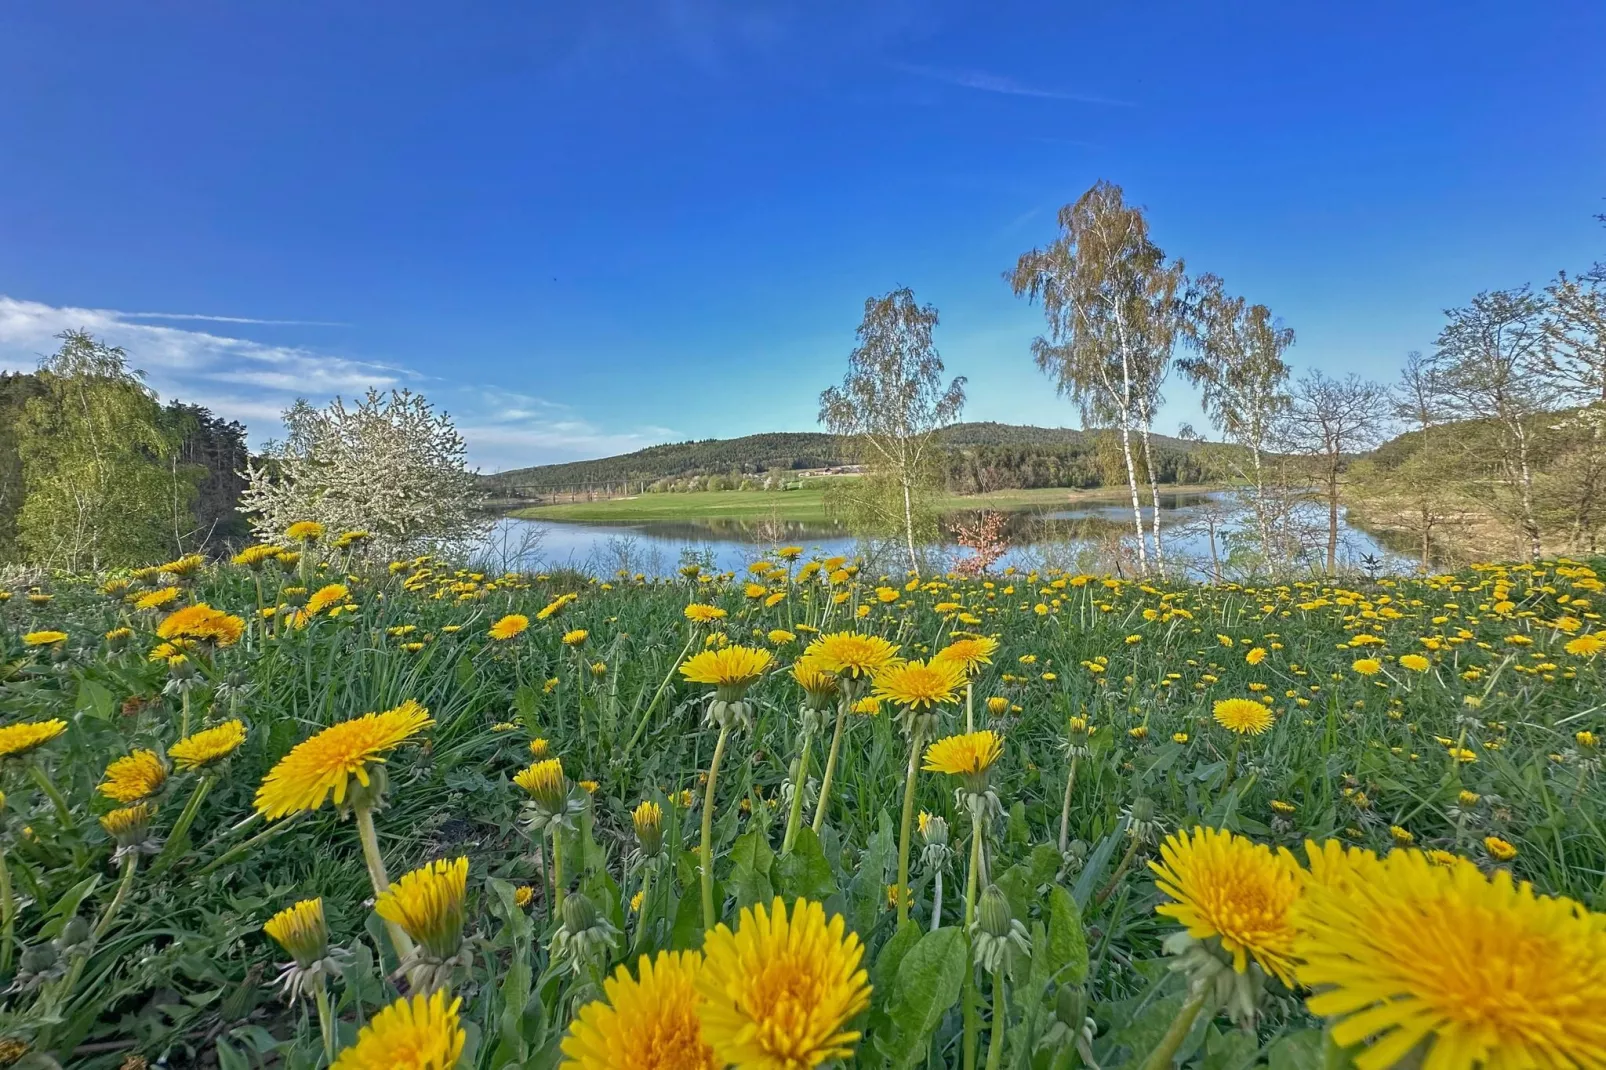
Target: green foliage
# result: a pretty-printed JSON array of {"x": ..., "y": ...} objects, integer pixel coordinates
[{"x": 99, "y": 491}]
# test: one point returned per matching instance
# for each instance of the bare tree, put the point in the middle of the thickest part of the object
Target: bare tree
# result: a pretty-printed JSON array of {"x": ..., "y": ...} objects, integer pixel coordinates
[
  {"x": 1490, "y": 365},
  {"x": 1237, "y": 362},
  {"x": 1575, "y": 353},
  {"x": 1328, "y": 420},
  {"x": 1112, "y": 301},
  {"x": 892, "y": 403}
]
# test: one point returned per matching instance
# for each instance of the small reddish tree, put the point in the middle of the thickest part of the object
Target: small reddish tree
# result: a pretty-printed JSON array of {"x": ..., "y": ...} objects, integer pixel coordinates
[{"x": 986, "y": 540}]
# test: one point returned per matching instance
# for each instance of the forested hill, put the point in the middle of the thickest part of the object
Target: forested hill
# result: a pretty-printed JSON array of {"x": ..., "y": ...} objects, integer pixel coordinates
[{"x": 981, "y": 456}]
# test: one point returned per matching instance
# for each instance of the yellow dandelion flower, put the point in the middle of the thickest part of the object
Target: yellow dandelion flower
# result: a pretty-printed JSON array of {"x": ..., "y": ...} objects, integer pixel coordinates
[
  {"x": 1478, "y": 970},
  {"x": 1242, "y": 715},
  {"x": 819, "y": 684},
  {"x": 134, "y": 777},
  {"x": 780, "y": 636},
  {"x": 973, "y": 653},
  {"x": 201, "y": 623},
  {"x": 539, "y": 747},
  {"x": 1231, "y": 888},
  {"x": 575, "y": 637},
  {"x": 256, "y": 556},
  {"x": 18, "y": 739},
  {"x": 703, "y": 614},
  {"x": 1585, "y": 645},
  {"x": 920, "y": 685},
  {"x": 964, "y": 755},
  {"x": 329, "y": 595},
  {"x": 326, "y": 764},
  {"x": 851, "y": 654},
  {"x": 509, "y": 627},
  {"x": 779, "y": 990},
  {"x": 544, "y": 782},
  {"x": 301, "y": 930},
  {"x": 1499, "y": 850},
  {"x": 1255, "y": 656},
  {"x": 645, "y": 1023},
  {"x": 417, "y": 1033},
  {"x": 158, "y": 598},
  {"x": 304, "y": 531},
  {"x": 209, "y": 745},
  {"x": 1367, "y": 666},
  {"x": 727, "y": 667},
  {"x": 44, "y": 638},
  {"x": 428, "y": 905}
]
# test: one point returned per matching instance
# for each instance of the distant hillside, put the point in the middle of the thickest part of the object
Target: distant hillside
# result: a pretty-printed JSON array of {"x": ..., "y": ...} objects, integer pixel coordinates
[{"x": 984, "y": 455}]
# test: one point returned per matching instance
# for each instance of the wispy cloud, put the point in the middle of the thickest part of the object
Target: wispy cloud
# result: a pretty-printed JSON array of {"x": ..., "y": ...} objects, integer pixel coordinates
[
  {"x": 227, "y": 319},
  {"x": 254, "y": 382},
  {"x": 997, "y": 83}
]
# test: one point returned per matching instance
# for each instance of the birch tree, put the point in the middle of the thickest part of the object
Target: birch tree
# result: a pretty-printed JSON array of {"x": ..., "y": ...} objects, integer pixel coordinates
[
  {"x": 1237, "y": 362},
  {"x": 1111, "y": 299},
  {"x": 1490, "y": 365},
  {"x": 1328, "y": 420},
  {"x": 890, "y": 406}
]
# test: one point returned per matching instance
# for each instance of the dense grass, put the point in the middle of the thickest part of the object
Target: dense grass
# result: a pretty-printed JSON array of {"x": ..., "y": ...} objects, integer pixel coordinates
[{"x": 181, "y": 970}]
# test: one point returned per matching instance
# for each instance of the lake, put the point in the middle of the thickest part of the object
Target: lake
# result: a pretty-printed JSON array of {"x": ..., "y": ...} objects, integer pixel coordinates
[{"x": 1084, "y": 536}]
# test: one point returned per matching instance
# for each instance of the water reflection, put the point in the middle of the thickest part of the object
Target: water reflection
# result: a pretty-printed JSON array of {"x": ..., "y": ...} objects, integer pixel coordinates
[{"x": 1091, "y": 535}]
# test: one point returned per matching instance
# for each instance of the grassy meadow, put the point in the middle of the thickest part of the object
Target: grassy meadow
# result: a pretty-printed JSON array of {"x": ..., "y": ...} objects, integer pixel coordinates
[
  {"x": 807, "y": 503},
  {"x": 995, "y": 890}
]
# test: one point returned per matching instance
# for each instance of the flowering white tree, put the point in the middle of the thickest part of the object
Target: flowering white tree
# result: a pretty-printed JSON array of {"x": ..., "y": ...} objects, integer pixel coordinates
[{"x": 391, "y": 466}]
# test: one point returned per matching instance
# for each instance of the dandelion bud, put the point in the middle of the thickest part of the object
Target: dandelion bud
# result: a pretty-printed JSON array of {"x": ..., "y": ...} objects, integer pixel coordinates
[
  {"x": 427, "y": 904},
  {"x": 579, "y": 913},
  {"x": 998, "y": 705},
  {"x": 933, "y": 829},
  {"x": 1585, "y": 740},
  {"x": 649, "y": 821},
  {"x": 75, "y": 932},
  {"x": 302, "y": 931},
  {"x": 586, "y": 939},
  {"x": 994, "y": 912},
  {"x": 1070, "y": 1006},
  {"x": 548, "y": 789},
  {"x": 130, "y": 828}
]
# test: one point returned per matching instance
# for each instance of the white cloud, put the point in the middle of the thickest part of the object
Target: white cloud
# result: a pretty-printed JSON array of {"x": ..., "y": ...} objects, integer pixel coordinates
[
  {"x": 253, "y": 382},
  {"x": 997, "y": 83}
]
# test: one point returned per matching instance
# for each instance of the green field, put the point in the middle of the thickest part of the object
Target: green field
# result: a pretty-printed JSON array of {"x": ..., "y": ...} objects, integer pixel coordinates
[{"x": 805, "y": 504}]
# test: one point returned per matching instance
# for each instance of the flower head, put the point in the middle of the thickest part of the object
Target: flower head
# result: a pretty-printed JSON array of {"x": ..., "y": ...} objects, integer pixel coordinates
[
  {"x": 1242, "y": 715},
  {"x": 256, "y": 556},
  {"x": 575, "y": 637},
  {"x": 779, "y": 990},
  {"x": 509, "y": 627},
  {"x": 699, "y": 613},
  {"x": 428, "y": 905},
  {"x": 327, "y": 763},
  {"x": 1367, "y": 666},
  {"x": 202, "y": 624},
  {"x": 302, "y": 931},
  {"x": 645, "y": 1023},
  {"x": 648, "y": 819},
  {"x": 416, "y": 1033},
  {"x": 731, "y": 668},
  {"x": 972, "y": 653},
  {"x": 134, "y": 777},
  {"x": 44, "y": 638},
  {"x": 201, "y": 749},
  {"x": 1415, "y": 662},
  {"x": 1228, "y": 887},
  {"x": 918, "y": 685},
  {"x": 331, "y": 594},
  {"x": 1479, "y": 969},
  {"x": 820, "y": 686},
  {"x": 851, "y": 654},
  {"x": 304, "y": 531},
  {"x": 19, "y": 739},
  {"x": 130, "y": 828},
  {"x": 964, "y": 755}
]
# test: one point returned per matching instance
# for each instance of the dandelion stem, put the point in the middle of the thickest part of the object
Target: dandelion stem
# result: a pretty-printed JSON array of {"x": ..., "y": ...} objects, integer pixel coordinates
[
  {"x": 936, "y": 902},
  {"x": 8, "y": 914},
  {"x": 995, "y": 1047},
  {"x": 908, "y": 822},
  {"x": 829, "y": 776},
  {"x": 556, "y": 835},
  {"x": 364, "y": 817},
  {"x": 970, "y": 706},
  {"x": 646, "y": 715},
  {"x": 795, "y": 818},
  {"x": 184, "y": 716},
  {"x": 1065, "y": 807},
  {"x": 181, "y": 828},
  {"x": 63, "y": 814},
  {"x": 972, "y": 883},
  {"x": 240, "y": 849},
  {"x": 326, "y": 1021},
  {"x": 1120, "y": 871},
  {"x": 645, "y": 913},
  {"x": 706, "y": 848},
  {"x": 1160, "y": 1058}
]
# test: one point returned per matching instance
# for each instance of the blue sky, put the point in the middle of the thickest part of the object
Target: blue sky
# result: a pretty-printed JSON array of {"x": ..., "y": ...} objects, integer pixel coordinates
[{"x": 585, "y": 228}]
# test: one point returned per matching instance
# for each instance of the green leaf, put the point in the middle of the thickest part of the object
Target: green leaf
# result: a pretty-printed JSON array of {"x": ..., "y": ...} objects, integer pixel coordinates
[
  {"x": 1044, "y": 862},
  {"x": 1301, "y": 1050},
  {"x": 805, "y": 873},
  {"x": 752, "y": 859},
  {"x": 868, "y": 889},
  {"x": 926, "y": 988},
  {"x": 66, "y": 908},
  {"x": 885, "y": 968},
  {"x": 687, "y": 932},
  {"x": 1235, "y": 1050},
  {"x": 465, "y": 672},
  {"x": 95, "y": 700},
  {"x": 1067, "y": 940},
  {"x": 1018, "y": 831}
]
